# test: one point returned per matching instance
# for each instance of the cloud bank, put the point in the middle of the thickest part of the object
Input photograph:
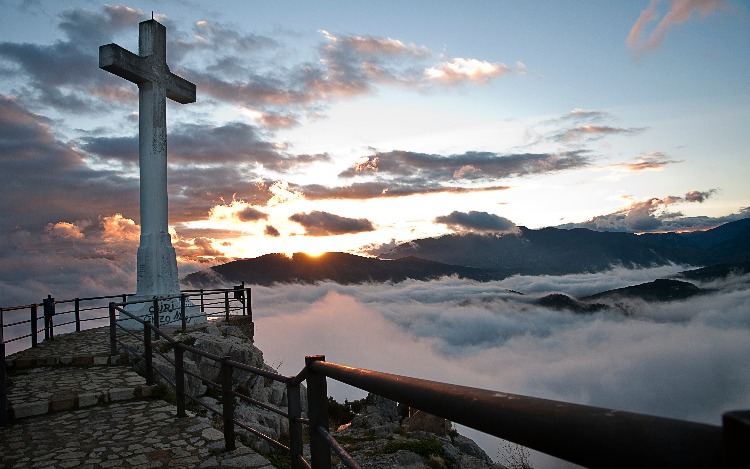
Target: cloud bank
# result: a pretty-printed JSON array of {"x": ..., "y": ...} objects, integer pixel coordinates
[{"x": 682, "y": 359}]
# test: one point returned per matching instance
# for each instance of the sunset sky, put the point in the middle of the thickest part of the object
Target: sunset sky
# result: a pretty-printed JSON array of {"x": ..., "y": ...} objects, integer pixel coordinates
[{"x": 348, "y": 126}]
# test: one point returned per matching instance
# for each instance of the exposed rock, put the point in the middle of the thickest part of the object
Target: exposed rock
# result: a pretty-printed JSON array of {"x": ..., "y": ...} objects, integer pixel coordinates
[
  {"x": 379, "y": 438},
  {"x": 422, "y": 421}
]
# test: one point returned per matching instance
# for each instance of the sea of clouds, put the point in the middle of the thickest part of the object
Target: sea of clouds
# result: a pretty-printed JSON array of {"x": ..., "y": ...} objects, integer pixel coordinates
[{"x": 683, "y": 359}]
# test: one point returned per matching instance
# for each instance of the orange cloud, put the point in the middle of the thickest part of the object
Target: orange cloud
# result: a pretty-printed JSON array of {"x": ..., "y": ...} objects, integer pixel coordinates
[
  {"x": 119, "y": 228},
  {"x": 64, "y": 229},
  {"x": 679, "y": 12}
]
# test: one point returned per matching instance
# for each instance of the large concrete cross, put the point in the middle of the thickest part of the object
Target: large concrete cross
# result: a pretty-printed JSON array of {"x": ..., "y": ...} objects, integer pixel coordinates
[{"x": 157, "y": 263}]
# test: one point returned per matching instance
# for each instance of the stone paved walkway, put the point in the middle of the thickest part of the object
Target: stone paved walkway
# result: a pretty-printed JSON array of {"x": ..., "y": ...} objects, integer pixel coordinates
[{"x": 75, "y": 407}]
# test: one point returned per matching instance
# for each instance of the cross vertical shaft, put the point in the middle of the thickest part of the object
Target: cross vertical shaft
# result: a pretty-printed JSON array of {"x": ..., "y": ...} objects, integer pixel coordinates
[{"x": 157, "y": 263}]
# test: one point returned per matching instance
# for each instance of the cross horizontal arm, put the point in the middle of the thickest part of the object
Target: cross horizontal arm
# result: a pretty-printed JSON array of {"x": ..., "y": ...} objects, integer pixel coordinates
[
  {"x": 137, "y": 69},
  {"x": 122, "y": 63}
]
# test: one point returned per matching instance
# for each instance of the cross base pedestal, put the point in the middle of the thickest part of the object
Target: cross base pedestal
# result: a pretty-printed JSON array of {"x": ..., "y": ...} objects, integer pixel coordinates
[{"x": 170, "y": 313}]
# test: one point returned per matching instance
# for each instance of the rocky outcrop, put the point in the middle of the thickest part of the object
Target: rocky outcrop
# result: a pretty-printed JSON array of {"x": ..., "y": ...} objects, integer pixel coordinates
[
  {"x": 226, "y": 340},
  {"x": 385, "y": 436}
]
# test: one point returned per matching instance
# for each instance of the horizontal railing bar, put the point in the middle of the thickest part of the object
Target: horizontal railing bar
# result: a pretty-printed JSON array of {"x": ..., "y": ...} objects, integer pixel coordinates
[
  {"x": 93, "y": 298},
  {"x": 165, "y": 377},
  {"x": 259, "y": 371},
  {"x": 191, "y": 349},
  {"x": 301, "y": 459},
  {"x": 265, "y": 437},
  {"x": 17, "y": 338},
  {"x": 15, "y": 308},
  {"x": 337, "y": 448},
  {"x": 585, "y": 435},
  {"x": 25, "y": 321},
  {"x": 262, "y": 405}
]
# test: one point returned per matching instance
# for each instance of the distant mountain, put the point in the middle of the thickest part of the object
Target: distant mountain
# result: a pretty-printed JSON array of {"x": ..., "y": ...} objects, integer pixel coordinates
[
  {"x": 717, "y": 271},
  {"x": 658, "y": 290},
  {"x": 548, "y": 251},
  {"x": 559, "y": 302},
  {"x": 334, "y": 266},
  {"x": 554, "y": 251}
]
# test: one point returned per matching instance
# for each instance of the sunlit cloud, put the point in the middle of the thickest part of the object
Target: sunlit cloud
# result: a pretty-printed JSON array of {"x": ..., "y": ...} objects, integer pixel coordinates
[
  {"x": 458, "y": 70},
  {"x": 64, "y": 229},
  {"x": 680, "y": 11},
  {"x": 653, "y": 161},
  {"x": 118, "y": 228}
]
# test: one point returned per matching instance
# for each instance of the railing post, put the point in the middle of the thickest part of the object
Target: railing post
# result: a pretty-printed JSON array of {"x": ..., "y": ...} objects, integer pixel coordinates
[
  {"x": 148, "y": 353},
  {"x": 227, "y": 398},
  {"x": 203, "y": 306},
  {"x": 226, "y": 305},
  {"x": 78, "y": 314},
  {"x": 3, "y": 394},
  {"x": 183, "y": 309},
  {"x": 156, "y": 317},
  {"x": 294, "y": 406},
  {"x": 317, "y": 403},
  {"x": 34, "y": 326},
  {"x": 736, "y": 432},
  {"x": 112, "y": 330},
  {"x": 179, "y": 378}
]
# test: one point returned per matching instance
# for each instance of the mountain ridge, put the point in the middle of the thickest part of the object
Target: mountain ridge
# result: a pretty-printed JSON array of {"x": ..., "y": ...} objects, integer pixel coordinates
[{"x": 547, "y": 251}]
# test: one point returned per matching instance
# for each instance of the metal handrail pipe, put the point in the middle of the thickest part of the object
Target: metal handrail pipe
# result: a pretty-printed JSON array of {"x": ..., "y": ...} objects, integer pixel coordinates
[
  {"x": 338, "y": 449},
  {"x": 261, "y": 435},
  {"x": 191, "y": 349},
  {"x": 299, "y": 378},
  {"x": 262, "y": 405},
  {"x": 25, "y": 321},
  {"x": 589, "y": 436},
  {"x": 15, "y": 308},
  {"x": 301, "y": 459},
  {"x": 17, "y": 338},
  {"x": 92, "y": 298},
  {"x": 259, "y": 371}
]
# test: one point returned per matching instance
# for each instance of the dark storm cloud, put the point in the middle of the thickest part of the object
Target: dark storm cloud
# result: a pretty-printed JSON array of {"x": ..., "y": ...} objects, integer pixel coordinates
[
  {"x": 467, "y": 166},
  {"x": 45, "y": 180},
  {"x": 271, "y": 231},
  {"x": 64, "y": 74},
  {"x": 478, "y": 222},
  {"x": 317, "y": 223},
  {"x": 205, "y": 144},
  {"x": 699, "y": 196},
  {"x": 392, "y": 188},
  {"x": 251, "y": 214}
]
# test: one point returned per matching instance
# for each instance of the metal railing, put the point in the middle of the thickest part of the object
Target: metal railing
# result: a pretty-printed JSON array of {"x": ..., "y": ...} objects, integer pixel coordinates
[{"x": 588, "y": 436}]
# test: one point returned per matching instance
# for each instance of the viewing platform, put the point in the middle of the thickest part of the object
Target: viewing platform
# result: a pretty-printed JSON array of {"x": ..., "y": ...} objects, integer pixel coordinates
[{"x": 74, "y": 405}]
